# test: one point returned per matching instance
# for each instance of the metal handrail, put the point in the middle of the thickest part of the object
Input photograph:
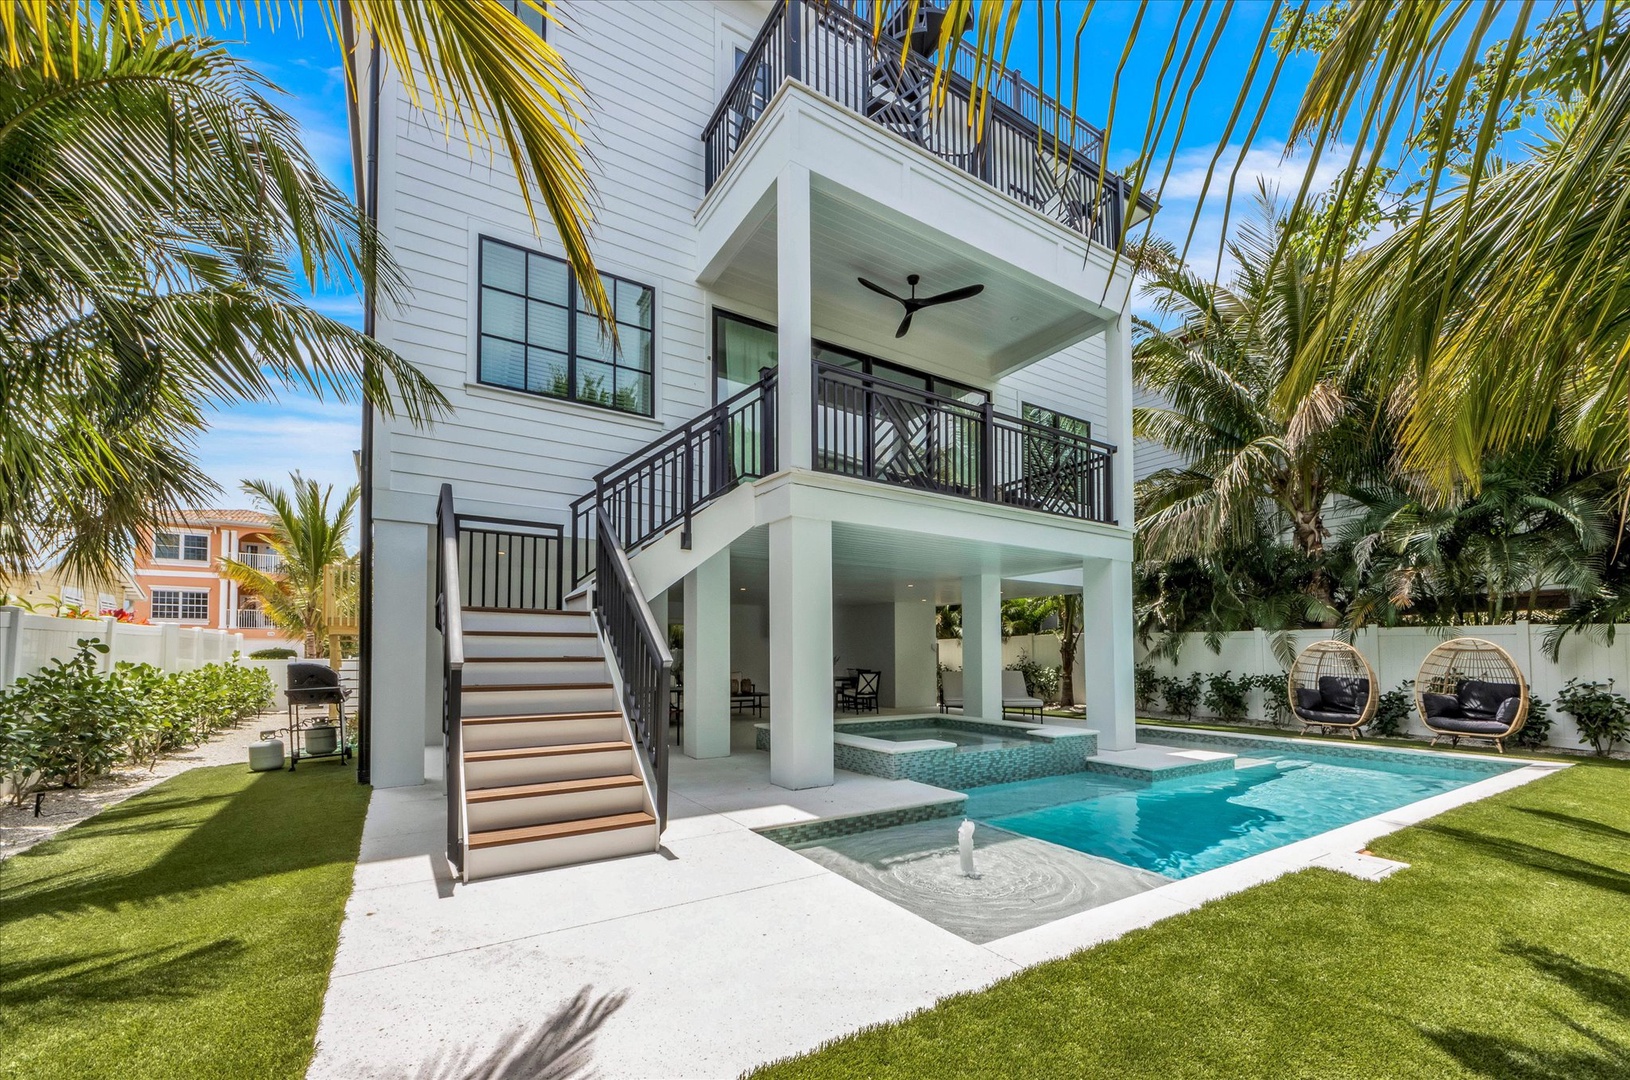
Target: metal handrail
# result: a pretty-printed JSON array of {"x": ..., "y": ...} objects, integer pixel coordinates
[
  {"x": 450, "y": 621},
  {"x": 639, "y": 646}
]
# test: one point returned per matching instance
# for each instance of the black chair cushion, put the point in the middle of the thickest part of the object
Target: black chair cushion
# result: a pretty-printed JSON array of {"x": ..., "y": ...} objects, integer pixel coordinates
[
  {"x": 1482, "y": 699},
  {"x": 1308, "y": 698},
  {"x": 1344, "y": 693},
  {"x": 1507, "y": 712},
  {"x": 1441, "y": 705},
  {"x": 1328, "y": 716},
  {"x": 1469, "y": 725}
]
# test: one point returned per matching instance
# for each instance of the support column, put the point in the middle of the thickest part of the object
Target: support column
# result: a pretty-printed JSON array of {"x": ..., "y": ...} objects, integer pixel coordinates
[
  {"x": 1118, "y": 404},
  {"x": 1105, "y": 658},
  {"x": 982, "y": 646},
  {"x": 801, "y": 653},
  {"x": 707, "y": 659},
  {"x": 406, "y": 660},
  {"x": 913, "y": 685},
  {"x": 796, "y": 396}
]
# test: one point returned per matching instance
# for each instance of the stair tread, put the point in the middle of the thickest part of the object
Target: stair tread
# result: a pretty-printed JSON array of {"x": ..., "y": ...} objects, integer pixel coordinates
[
  {"x": 488, "y": 688},
  {"x": 533, "y": 718},
  {"x": 531, "y": 633},
  {"x": 534, "y": 659},
  {"x": 556, "y": 830},
  {"x": 528, "y": 611},
  {"x": 512, "y": 752},
  {"x": 554, "y": 787}
]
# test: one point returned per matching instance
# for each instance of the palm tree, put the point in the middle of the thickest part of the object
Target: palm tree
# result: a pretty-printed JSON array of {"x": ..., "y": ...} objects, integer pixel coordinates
[
  {"x": 308, "y": 535},
  {"x": 1222, "y": 369},
  {"x": 482, "y": 69},
  {"x": 151, "y": 202}
]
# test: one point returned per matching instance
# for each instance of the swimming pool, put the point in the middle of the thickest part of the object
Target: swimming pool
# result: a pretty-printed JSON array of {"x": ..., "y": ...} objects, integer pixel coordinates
[{"x": 1278, "y": 792}]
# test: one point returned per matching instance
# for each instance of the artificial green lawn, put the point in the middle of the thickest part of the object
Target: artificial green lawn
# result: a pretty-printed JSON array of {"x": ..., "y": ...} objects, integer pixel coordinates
[
  {"x": 1504, "y": 951},
  {"x": 187, "y": 932}
]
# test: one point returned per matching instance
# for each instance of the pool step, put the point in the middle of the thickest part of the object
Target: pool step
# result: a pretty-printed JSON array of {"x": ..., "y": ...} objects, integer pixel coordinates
[{"x": 1152, "y": 764}]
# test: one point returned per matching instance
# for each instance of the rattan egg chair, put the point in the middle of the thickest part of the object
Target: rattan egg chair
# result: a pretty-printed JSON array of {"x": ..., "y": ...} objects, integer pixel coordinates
[
  {"x": 1469, "y": 688},
  {"x": 1331, "y": 687}
]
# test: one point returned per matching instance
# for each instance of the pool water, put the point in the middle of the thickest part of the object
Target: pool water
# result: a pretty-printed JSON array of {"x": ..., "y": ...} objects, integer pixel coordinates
[
  {"x": 964, "y": 740},
  {"x": 1178, "y": 828}
]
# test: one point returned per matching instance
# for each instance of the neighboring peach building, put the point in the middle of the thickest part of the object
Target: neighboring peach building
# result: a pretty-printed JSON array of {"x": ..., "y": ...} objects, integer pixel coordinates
[{"x": 179, "y": 574}]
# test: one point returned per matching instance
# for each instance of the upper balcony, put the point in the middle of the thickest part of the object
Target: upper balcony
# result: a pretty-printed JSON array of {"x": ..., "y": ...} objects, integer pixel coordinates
[{"x": 1028, "y": 147}]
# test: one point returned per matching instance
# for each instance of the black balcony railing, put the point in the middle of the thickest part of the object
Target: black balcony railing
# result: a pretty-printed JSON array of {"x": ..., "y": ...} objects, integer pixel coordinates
[
  {"x": 662, "y": 485},
  {"x": 879, "y": 430},
  {"x": 1027, "y": 147}
]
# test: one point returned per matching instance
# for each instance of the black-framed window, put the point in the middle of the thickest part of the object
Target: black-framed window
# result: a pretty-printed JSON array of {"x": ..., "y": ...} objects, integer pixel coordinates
[
  {"x": 531, "y": 16},
  {"x": 538, "y": 333},
  {"x": 181, "y": 605},
  {"x": 742, "y": 346}
]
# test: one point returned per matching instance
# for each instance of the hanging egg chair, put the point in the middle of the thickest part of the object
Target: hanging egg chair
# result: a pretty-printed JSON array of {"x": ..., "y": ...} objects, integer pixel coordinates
[
  {"x": 1331, "y": 688},
  {"x": 1471, "y": 688}
]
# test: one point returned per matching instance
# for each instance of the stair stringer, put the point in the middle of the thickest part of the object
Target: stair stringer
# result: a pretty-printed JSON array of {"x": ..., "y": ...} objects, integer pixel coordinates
[{"x": 714, "y": 527}]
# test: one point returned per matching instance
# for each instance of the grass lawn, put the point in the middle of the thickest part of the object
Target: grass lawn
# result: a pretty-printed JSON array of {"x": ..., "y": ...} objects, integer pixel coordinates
[
  {"x": 1504, "y": 951},
  {"x": 187, "y": 932}
]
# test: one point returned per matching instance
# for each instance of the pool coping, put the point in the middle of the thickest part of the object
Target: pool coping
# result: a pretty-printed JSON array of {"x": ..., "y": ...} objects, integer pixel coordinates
[{"x": 1073, "y": 933}]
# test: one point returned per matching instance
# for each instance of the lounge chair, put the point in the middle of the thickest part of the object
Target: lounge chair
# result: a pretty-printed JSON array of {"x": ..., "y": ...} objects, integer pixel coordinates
[
  {"x": 950, "y": 690},
  {"x": 1471, "y": 688},
  {"x": 1331, "y": 688},
  {"x": 1016, "y": 696}
]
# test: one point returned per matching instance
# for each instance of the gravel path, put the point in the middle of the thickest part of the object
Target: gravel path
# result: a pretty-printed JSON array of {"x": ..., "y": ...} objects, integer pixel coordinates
[{"x": 21, "y": 830}]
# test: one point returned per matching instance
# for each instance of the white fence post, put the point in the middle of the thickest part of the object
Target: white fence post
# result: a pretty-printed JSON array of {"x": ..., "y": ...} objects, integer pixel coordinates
[
  {"x": 11, "y": 638},
  {"x": 169, "y": 650}
]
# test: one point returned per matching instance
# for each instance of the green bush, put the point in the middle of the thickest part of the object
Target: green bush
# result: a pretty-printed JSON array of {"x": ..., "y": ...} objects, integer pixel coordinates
[
  {"x": 1145, "y": 686},
  {"x": 1602, "y": 717},
  {"x": 1536, "y": 731},
  {"x": 1391, "y": 718},
  {"x": 278, "y": 652},
  {"x": 71, "y": 721},
  {"x": 1182, "y": 695},
  {"x": 1275, "y": 700},
  {"x": 1040, "y": 680},
  {"x": 1228, "y": 697}
]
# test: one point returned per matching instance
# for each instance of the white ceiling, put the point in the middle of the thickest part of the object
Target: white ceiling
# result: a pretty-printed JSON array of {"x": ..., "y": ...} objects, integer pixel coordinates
[{"x": 1017, "y": 319}]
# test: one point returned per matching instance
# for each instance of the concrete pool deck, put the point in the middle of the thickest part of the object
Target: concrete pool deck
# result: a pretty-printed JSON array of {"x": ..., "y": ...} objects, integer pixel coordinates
[{"x": 727, "y": 949}]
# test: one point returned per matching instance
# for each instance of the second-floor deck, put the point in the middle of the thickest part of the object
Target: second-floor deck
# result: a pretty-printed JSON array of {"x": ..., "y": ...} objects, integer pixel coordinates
[{"x": 1026, "y": 145}]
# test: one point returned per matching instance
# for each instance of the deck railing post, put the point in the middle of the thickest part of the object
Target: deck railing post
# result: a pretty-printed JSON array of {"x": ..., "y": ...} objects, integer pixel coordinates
[
  {"x": 987, "y": 451},
  {"x": 794, "y": 31}
]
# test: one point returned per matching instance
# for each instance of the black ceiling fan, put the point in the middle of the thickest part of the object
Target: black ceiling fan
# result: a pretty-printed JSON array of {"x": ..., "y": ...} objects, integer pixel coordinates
[{"x": 914, "y": 304}]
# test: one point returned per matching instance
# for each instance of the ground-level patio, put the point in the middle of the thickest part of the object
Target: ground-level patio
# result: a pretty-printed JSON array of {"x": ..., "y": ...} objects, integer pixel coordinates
[{"x": 725, "y": 949}]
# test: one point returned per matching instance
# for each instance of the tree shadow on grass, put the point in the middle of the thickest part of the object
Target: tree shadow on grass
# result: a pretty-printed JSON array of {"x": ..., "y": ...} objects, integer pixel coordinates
[
  {"x": 1573, "y": 821},
  {"x": 560, "y": 1048},
  {"x": 1508, "y": 1059},
  {"x": 274, "y": 824},
  {"x": 1583, "y": 871},
  {"x": 45, "y": 986}
]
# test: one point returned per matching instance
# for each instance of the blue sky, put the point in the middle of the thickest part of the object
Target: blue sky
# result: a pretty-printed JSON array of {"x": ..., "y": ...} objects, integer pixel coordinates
[{"x": 268, "y": 440}]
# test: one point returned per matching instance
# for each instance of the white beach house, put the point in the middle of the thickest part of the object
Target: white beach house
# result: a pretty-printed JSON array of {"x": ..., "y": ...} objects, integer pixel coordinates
[{"x": 794, "y": 466}]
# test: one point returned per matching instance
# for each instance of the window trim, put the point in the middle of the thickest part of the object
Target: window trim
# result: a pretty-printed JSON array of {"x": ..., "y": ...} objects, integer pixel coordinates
[
  {"x": 180, "y": 605},
  {"x": 572, "y": 312},
  {"x": 181, "y": 536}
]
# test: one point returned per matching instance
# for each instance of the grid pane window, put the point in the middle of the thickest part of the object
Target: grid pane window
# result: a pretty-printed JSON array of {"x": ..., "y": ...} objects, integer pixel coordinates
[
  {"x": 190, "y": 547},
  {"x": 167, "y": 545},
  {"x": 539, "y": 335},
  {"x": 195, "y": 548},
  {"x": 191, "y": 605}
]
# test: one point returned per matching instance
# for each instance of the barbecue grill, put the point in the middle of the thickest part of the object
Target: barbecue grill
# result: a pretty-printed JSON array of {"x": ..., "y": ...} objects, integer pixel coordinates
[{"x": 315, "y": 684}]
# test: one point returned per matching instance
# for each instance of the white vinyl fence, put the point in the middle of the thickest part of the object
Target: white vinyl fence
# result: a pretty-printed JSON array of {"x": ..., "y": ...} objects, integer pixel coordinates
[
  {"x": 29, "y": 642},
  {"x": 1042, "y": 648},
  {"x": 1396, "y": 654}
]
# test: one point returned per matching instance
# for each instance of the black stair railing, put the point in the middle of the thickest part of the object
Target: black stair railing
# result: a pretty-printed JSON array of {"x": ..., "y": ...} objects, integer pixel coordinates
[
  {"x": 1026, "y": 146},
  {"x": 449, "y": 620},
  {"x": 664, "y": 484},
  {"x": 640, "y": 649},
  {"x": 879, "y": 430},
  {"x": 509, "y": 563}
]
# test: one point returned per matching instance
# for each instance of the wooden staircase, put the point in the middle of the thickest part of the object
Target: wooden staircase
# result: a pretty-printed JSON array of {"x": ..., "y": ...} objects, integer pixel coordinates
[{"x": 550, "y": 773}]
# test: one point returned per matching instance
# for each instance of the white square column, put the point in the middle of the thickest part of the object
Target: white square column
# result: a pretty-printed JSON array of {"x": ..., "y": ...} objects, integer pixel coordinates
[
  {"x": 800, "y": 653},
  {"x": 794, "y": 320},
  {"x": 914, "y": 684},
  {"x": 982, "y": 646},
  {"x": 405, "y": 692},
  {"x": 1118, "y": 406},
  {"x": 707, "y": 659},
  {"x": 1105, "y": 657}
]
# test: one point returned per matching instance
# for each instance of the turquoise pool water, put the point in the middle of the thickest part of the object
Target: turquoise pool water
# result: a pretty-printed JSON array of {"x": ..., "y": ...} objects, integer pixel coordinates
[{"x": 1282, "y": 793}]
